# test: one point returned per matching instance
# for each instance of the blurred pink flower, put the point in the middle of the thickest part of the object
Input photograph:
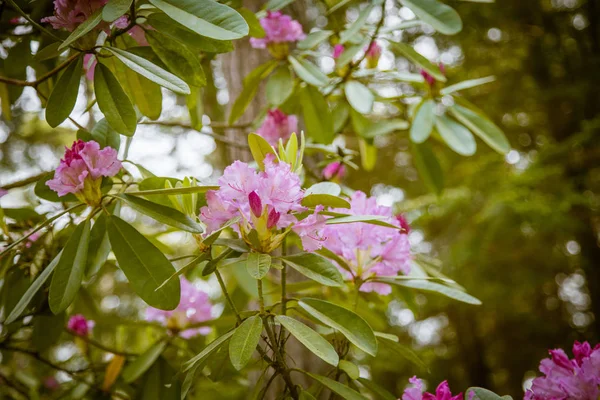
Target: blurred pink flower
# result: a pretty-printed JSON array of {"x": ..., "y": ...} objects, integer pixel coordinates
[
  {"x": 310, "y": 230},
  {"x": 80, "y": 325},
  {"x": 373, "y": 55},
  {"x": 279, "y": 28},
  {"x": 416, "y": 392},
  {"x": 51, "y": 383},
  {"x": 3, "y": 192},
  {"x": 69, "y": 14},
  {"x": 334, "y": 171},
  {"x": 277, "y": 125},
  {"x": 403, "y": 223},
  {"x": 194, "y": 307},
  {"x": 338, "y": 49}
]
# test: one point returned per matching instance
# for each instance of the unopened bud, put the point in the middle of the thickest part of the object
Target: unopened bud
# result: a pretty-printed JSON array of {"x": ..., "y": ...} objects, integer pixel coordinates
[{"x": 255, "y": 204}]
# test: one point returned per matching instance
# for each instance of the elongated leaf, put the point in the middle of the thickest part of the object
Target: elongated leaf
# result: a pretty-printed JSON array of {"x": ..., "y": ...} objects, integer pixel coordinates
[
  {"x": 280, "y": 86},
  {"x": 259, "y": 148},
  {"x": 435, "y": 288},
  {"x": 325, "y": 193},
  {"x": 336, "y": 387},
  {"x": 67, "y": 278},
  {"x": 32, "y": 290},
  {"x": 208, "y": 350},
  {"x": 416, "y": 58},
  {"x": 304, "y": 395},
  {"x": 379, "y": 392},
  {"x": 308, "y": 71},
  {"x": 105, "y": 135},
  {"x": 99, "y": 246},
  {"x": 368, "y": 154},
  {"x": 313, "y": 39},
  {"x": 350, "y": 369},
  {"x": 348, "y": 323},
  {"x": 423, "y": 122},
  {"x": 429, "y": 167},
  {"x": 83, "y": 29},
  {"x": 244, "y": 341},
  {"x": 482, "y": 127},
  {"x": 467, "y": 85},
  {"x": 251, "y": 84},
  {"x": 141, "y": 364},
  {"x": 144, "y": 93},
  {"x": 151, "y": 71},
  {"x": 369, "y": 219},
  {"x": 171, "y": 191},
  {"x": 255, "y": 28},
  {"x": 384, "y": 127},
  {"x": 317, "y": 117},
  {"x": 48, "y": 52},
  {"x": 355, "y": 27},
  {"x": 166, "y": 215},
  {"x": 64, "y": 96},
  {"x": 311, "y": 339},
  {"x": 456, "y": 136},
  {"x": 115, "y": 9},
  {"x": 258, "y": 265},
  {"x": 441, "y": 17},
  {"x": 484, "y": 394},
  {"x": 205, "y": 17},
  {"x": 359, "y": 96},
  {"x": 316, "y": 268},
  {"x": 403, "y": 352},
  {"x": 113, "y": 102},
  {"x": 143, "y": 264}
]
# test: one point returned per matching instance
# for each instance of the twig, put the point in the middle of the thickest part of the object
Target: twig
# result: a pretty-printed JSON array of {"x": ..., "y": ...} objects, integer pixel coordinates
[
  {"x": 101, "y": 346},
  {"x": 24, "y": 182},
  {"x": 226, "y": 294},
  {"x": 42, "y": 78}
]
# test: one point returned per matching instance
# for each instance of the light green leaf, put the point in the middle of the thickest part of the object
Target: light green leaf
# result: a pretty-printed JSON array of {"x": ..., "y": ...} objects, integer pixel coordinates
[
  {"x": 441, "y": 17},
  {"x": 355, "y": 27},
  {"x": 67, "y": 278},
  {"x": 208, "y": 350},
  {"x": 349, "y": 54},
  {"x": 327, "y": 200},
  {"x": 330, "y": 188},
  {"x": 416, "y": 58},
  {"x": 113, "y": 102},
  {"x": 484, "y": 394},
  {"x": 64, "y": 95},
  {"x": 311, "y": 339},
  {"x": 350, "y": 369},
  {"x": 141, "y": 364},
  {"x": 429, "y": 167},
  {"x": 258, "y": 265},
  {"x": 456, "y": 136},
  {"x": 379, "y": 392},
  {"x": 384, "y": 127},
  {"x": 308, "y": 72},
  {"x": 482, "y": 127},
  {"x": 244, "y": 341},
  {"x": 348, "y": 323},
  {"x": 170, "y": 191},
  {"x": 83, "y": 29},
  {"x": 313, "y": 39},
  {"x": 259, "y": 148},
  {"x": 359, "y": 96},
  {"x": 251, "y": 84},
  {"x": 423, "y": 122},
  {"x": 316, "y": 268},
  {"x": 115, "y": 9},
  {"x": 143, "y": 264},
  {"x": 336, "y": 387},
  {"x": 280, "y": 86},
  {"x": 317, "y": 117},
  {"x": 435, "y": 288},
  {"x": 255, "y": 28},
  {"x": 466, "y": 85},
  {"x": 205, "y": 17},
  {"x": 368, "y": 154}
]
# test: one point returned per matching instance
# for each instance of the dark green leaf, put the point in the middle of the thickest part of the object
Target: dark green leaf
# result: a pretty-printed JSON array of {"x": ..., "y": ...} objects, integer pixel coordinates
[
  {"x": 115, "y": 9},
  {"x": 251, "y": 84},
  {"x": 258, "y": 265},
  {"x": 64, "y": 96},
  {"x": 404, "y": 352},
  {"x": 416, "y": 58},
  {"x": 99, "y": 247},
  {"x": 259, "y": 148},
  {"x": 456, "y": 136},
  {"x": 113, "y": 102},
  {"x": 208, "y": 350},
  {"x": 369, "y": 219},
  {"x": 47, "y": 330},
  {"x": 379, "y": 392},
  {"x": 142, "y": 363},
  {"x": 338, "y": 388},
  {"x": 311, "y": 339},
  {"x": 308, "y": 71},
  {"x": 48, "y": 52},
  {"x": 244, "y": 341},
  {"x": 359, "y": 96},
  {"x": 280, "y": 86},
  {"x": 423, "y": 122},
  {"x": 105, "y": 135},
  {"x": 429, "y": 167},
  {"x": 316, "y": 268},
  {"x": 85, "y": 27},
  {"x": 482, "y": 127},
  {"x": 441, "y": 17},
  {"x": 317, "y": 117}
]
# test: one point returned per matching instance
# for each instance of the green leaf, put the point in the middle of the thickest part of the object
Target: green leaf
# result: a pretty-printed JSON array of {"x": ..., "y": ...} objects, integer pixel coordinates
[
  {"x": 48, "y": 52},
  {"x": 146, "y": 94},
  {"x": 142, "y": 363},
  {"x": 32, "y": 290},
  {"x": 355, "y": 27},
  {"x": 67, "y": 278},
  {"x": 349, "y": 54},
  {"x": 105, "y": 135},
  {"x": 403, "y": 352},
  {"x": 251, "y": 84},
  {"x": 416, "y": 58},
  {"x": 466, "y": 85},
  {"x": 316, "y": 268},
  {"x": 456, "y": 136},
  {"x": 47, "y": 330},
  {"x": 259, "y": 148},
  {"x": 379, "y": 392},
  {"x": 325, "y": 193},
  {"x": 311, "y": 339},
  {"x": 244, "y": 341},
  {"x": 208, "y": 350},
  {"x": 350, "y": 369},
  {"x": 429, "y": 167},
  {"x": 170, "y": 191},
  {"x": 369, "y": 219},
  {"x": 348, "y": 323},
  {"x": 359, "y": 96},
  {"x": 151, "y": 71},
  {"x": 423, "y": 122},
  {"x": 255, "y": 28},
  {"x": 304, "y": 395},
  {"x": 166, "y": 215},
  {"x": 64, "y": 96},
  {"x": 113, "y": 102},
  {"x": 205, "y": 17},
  {"x": 258, "y": 265},
  {"x": 143, "y": 264},
  {"x": 441, "y": 17},
  {"x": 99, "y": 246},
  {"x": 368, "y": 154},
  {"x": 336, "y": 387},
  {"x": 317, "y": 117},
  {"x": 308, "y": 71},
  {"x": 484, "y": 394},
  {"x": 115, "y": 9},
  {"x": 280, "y": 86},
  {"x": 384, "y": 127},
  {"x": 482, "y": 127},
  {"x": 83, "y": 29},
  {"x": 435, "y": 288},
  {"x": 313, "y": 39}
]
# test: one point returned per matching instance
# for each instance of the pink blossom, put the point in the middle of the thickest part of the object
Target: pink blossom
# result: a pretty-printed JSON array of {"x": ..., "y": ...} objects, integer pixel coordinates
[
  {"x": 373, "y": 53},
  {"x": 441, "y": 393},
  {"x": 84, "y": 160},
  {"x": 277, "y": 125},
  {"x": 279, "y": 28},
  {"x": 403, "y": 223},
  {"x": 415, "y": 392},
  {"x": 338, "y": 49},
  {"x": 335, "y": 170},
  {"x": 69, "y": 14},
  {"x": 564, "y": 378},
  {"x": 194, "y": 307},
  {"x": 311, "y": 229},
  {"x": 80, "y": 325},
  {"x": 370, "y": 250}
]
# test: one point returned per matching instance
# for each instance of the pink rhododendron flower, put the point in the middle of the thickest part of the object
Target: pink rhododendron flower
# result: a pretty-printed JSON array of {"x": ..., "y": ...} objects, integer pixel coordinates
[
  {"x": 80, "y": 325},
  {"x": 279, "y": 28},
  {"x": 334, "y": 171},
  {"x": 403, "y": 223},
  {"x": 373, "y": 55},
  {"x": 81, "y": 170},
  {"x": 194, "y": 307},
  {"x": 564, "y": 378},
  {"x": 277, "y": 125},
  {"x": 370, "y": 250},
  {"x": 338, "y": 49},
  {"x": 416, "y": 392},
  {"x": 310, "y": 230},
  {"x": 69, "y": 14}
]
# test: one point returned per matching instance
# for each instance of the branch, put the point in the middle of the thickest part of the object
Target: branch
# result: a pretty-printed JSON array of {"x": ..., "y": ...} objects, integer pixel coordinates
[
  {"x": 42, "y": 78},
  {"x": 28, "y": 18},
  {"x": 24, "y": 182}
]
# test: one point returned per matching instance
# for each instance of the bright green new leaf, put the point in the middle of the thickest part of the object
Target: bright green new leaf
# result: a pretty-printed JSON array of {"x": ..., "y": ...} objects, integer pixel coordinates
[
  {"x": 416, "y": 58},
  {"x": 359, "y": 96},
  {"x": 244, "y": 341},
  {"x": 208, "y": 350},
  {"x": 205, "y": 17},
  {"x": 317, "y": 117},
  {"x": 315, "y": 267},
  {"x": 384, "y": 127},
  {"x": 350, "y": 369},
  {"x": 347, "y": 322},
  {"x": 142, "y": 363},
  {"x": 113, "y": 102},
  {"x": 339, "y": 388},
  {"x": 456, "y": 136},
  {"x": 280, "y": 86},
  {"x": 115, "y": 9},
  {"x": 64, "y": 96},
  {"x": 145, "y": 266},
  {"x": 311, "y": 339},
  {"x": 482, "y": 127},
  {"x": 258, "y": 265},
  {"x": 144, "y": 93},
  {"x": 313, "y": 39},
  {"x": 308, "y": 72},
  {"x": 251, "y": 84},
  {"x": 441, "y": 17},
  {"x": 70, "y": 270},
  {"x": 435, "y": 288},
  {"x": 355, "y": 27},
  {"x": 83, "y": 29},
  {"x": 429, "y": 167},
  {"x": 379, "y": 392},
  {"x": 259, "y": 148},
  {"x": 466, "y": 85},
  {"x": 423, "y": 122}
]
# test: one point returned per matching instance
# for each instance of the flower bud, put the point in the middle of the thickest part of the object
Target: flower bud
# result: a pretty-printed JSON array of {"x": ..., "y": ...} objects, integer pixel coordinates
[
  {"x": 334, "y": 171},
  {"x": 255, "y": 204},
  {"x": 80, "y": 325},
  {"x": 273, "y": 218},
  {"x": 373, "y": 55}
]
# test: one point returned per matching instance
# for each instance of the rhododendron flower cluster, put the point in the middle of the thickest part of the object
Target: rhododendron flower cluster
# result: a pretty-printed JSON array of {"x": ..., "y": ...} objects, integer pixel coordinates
[
  {"x": 564, "y": 378},
  {"x": 69, "y": 14},
  {"x": 81, "y": 171},
  {"x": 277, "y": 125},
  {"x": 334, "y": 171},
  {"x": 416, "y": 392},
  {"x": 194, "y": 307},
  {"x": 265, "y": 201},
  {"x": 370, "y": 250},
  {"x": 80, "y": 325},
  {"x": 280, "y": 30}
]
